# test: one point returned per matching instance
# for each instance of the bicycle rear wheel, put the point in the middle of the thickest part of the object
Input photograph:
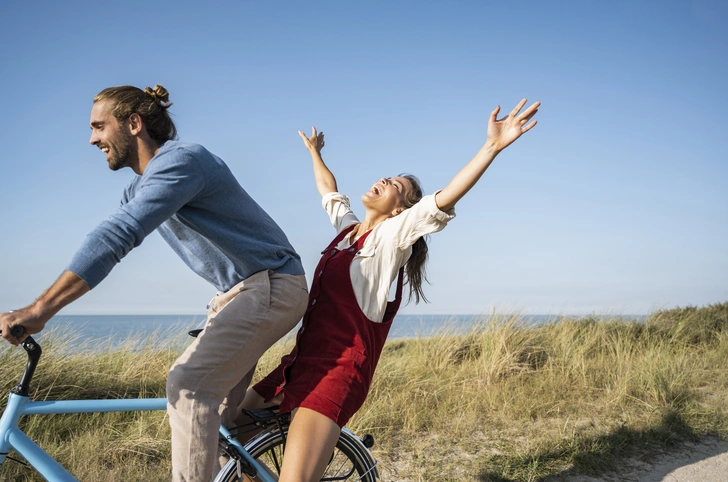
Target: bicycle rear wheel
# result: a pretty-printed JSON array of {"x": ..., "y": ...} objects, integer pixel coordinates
[{"x": 351, "y": 460}]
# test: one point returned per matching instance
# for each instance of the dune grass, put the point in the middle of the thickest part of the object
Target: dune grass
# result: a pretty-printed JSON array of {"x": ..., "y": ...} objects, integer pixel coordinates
[{"x": 503, "y": 402}]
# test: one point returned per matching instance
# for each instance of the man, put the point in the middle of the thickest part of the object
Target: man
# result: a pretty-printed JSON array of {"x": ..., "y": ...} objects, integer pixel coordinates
[{"x": 190, "y": 196}]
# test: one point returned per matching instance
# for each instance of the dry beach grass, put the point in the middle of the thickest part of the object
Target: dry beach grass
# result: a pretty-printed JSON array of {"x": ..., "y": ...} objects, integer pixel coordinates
[{"x": 573, "y": 400}]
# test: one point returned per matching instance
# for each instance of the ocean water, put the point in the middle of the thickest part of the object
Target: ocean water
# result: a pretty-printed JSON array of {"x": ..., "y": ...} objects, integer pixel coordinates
[{"x": 105, "y": 331}]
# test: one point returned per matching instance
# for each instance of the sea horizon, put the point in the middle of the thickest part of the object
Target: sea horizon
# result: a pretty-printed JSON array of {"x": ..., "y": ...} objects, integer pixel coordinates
[{"x": 111, "y": 330}]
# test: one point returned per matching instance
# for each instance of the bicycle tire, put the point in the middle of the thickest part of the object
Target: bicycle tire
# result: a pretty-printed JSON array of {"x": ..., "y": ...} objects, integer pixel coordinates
[{"x": 351, "y": 460}]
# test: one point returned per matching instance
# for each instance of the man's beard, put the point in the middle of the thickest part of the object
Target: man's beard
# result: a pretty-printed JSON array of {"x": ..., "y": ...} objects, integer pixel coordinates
[{"x": 123, "y": 153}]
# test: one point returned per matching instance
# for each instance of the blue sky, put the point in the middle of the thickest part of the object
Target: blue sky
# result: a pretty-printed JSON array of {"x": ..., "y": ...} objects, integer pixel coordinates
[{"x": 615, "y": 203}]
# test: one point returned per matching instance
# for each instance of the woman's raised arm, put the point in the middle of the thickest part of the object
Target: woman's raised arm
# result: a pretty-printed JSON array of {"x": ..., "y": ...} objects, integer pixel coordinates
[
  {"x": 325, "y": 181},
  {"x": 501, "y": 134}
]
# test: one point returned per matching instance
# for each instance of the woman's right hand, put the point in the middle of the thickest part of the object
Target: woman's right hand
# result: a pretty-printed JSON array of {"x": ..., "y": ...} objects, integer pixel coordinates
[
  {"x": 314, "y": 143},
  {"x": 325, "y": 181}
]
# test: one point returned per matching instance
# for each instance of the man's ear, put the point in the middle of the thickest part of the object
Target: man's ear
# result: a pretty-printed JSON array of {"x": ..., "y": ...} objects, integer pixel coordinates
[{"x": 135, "y": 124}]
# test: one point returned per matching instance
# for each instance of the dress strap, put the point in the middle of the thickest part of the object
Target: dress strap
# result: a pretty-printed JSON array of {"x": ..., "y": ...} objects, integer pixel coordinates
[
  {"x": 340, "y": 236},
  {"x": 393, "y": 306},
  {"x": 362, "y": 238},
  {"x": 400, "y": 283}
]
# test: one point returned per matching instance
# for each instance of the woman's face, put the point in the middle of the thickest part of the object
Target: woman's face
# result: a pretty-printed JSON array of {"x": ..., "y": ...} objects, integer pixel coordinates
[{"x": 387, "y": 195}]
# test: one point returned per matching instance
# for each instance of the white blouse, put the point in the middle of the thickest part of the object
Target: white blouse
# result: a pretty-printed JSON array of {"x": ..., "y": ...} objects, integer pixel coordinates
[{"x": 385, "y": 250}]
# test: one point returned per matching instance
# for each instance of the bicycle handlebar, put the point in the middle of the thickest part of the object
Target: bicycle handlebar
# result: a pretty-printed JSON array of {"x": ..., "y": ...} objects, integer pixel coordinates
[{"x": 33, "y": 351}]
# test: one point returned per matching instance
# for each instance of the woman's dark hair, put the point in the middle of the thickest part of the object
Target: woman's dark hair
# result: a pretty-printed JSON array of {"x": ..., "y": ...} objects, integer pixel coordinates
[
  {"x": 415, "y": 267},
  {"x": 150, "y": 104}
]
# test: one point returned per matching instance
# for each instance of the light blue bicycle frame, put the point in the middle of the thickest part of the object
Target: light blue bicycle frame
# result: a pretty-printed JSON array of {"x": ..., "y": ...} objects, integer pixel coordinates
[{"x": 18, "y": 405}]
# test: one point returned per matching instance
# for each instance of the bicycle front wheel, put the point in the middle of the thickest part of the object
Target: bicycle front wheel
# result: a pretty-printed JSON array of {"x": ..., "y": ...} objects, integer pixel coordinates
[{"x": 351, "y": 460}]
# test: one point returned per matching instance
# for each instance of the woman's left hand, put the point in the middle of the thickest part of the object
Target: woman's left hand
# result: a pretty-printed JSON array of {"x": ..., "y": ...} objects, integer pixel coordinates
[{"x": 502, "y": 132}]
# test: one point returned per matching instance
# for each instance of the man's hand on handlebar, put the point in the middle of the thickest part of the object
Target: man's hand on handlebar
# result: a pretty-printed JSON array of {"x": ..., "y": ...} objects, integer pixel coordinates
[
  {"x": 15, "y": 326},
  {"x": 17, "y": 331}
]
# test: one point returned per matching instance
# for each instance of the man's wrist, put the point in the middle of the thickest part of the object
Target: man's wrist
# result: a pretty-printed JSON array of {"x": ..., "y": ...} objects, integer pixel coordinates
[{"x": 43, "y": 308}]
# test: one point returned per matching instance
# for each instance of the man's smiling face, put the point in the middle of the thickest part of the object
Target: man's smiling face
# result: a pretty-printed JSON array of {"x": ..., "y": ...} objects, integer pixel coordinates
[{"x": 112, "y": 137}]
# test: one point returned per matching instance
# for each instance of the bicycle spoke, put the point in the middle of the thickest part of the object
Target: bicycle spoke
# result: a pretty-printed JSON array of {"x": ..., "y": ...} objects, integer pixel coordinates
[{"x": 337, "y": 468}]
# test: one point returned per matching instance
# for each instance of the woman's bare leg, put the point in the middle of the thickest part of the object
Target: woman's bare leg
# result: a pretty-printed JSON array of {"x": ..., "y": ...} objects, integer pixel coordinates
[{"x": 311, "y": 440}]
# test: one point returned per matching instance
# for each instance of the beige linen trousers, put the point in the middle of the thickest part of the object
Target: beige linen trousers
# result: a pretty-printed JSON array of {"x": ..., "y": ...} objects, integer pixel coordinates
[{"x": 209, "y": 380}]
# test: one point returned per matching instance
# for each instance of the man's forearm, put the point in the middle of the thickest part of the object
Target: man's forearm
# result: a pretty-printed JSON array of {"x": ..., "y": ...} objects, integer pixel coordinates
[
  {"x": 66, "y": 289},
  {"x": 33, "y": 318}
]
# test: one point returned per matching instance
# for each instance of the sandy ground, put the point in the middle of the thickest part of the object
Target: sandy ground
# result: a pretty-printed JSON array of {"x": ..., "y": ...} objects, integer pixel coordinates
[
  {"x": 701, "y": 462},
  {"x": 706, "y": 461}
]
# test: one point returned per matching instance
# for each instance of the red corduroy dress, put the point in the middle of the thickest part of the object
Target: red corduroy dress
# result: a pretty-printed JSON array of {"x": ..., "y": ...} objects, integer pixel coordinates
[{"x": 337, "y": 348}]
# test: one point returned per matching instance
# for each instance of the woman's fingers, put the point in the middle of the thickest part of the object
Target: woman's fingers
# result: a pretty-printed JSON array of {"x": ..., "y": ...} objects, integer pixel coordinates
[
  {"x": 532, "y": 109},
  {"x": 529, "y": 127},
  {"x": 518, "y": 107},
  {"x": 315, "y": 142}
]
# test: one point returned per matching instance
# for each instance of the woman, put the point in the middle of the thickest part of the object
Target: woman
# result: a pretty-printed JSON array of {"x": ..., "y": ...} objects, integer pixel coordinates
[{"x": 326, "y": 378}]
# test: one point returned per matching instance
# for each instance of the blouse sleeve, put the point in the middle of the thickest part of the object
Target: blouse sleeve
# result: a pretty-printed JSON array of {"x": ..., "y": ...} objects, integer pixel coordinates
[
  {"x": 338, "y": 208},
  {"x": 421, "y": 219}
]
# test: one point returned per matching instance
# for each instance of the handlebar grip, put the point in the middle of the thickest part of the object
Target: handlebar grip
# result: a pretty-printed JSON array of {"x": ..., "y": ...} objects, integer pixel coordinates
[{"x": 17, "y": 331}]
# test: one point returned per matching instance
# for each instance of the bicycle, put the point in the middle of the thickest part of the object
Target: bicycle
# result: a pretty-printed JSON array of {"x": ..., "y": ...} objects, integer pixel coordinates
[{"x": 259, "y": 459}]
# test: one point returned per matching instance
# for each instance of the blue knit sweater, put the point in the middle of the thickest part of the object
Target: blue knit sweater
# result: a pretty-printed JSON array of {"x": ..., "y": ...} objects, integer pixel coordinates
[{"x": 190, "y": 196}]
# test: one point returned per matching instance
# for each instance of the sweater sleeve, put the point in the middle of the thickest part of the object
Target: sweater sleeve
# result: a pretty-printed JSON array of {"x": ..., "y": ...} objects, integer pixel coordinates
[
  {"x": 421, "y": 219},
  {"x": 169, "y": 182}
]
